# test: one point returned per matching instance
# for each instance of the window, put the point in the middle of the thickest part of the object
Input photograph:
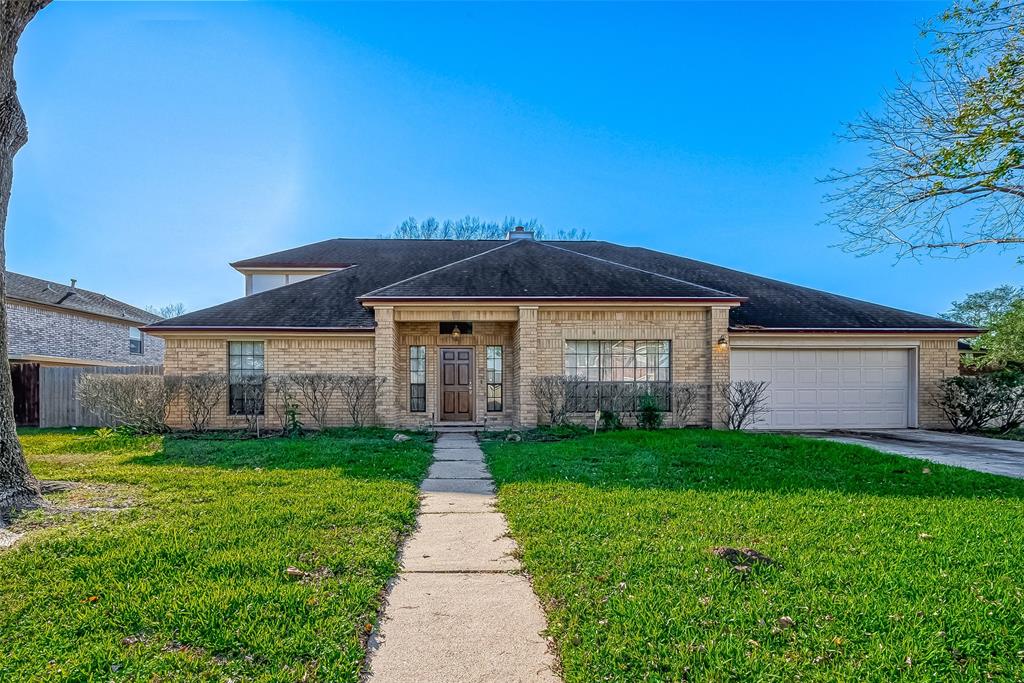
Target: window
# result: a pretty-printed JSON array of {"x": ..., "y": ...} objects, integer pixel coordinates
[
  {"x": 494, "y": 403},
  {"x": 245, "y": 361},
  {"x": 418, "y": 379},
  {"x": 608, "y": 366},
  {"x": 134, "y": 340}
]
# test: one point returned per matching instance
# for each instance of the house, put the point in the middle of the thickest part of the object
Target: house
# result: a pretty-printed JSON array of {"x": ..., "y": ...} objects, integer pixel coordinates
[
  {"x": 460, "y": 329},
  {"x": 52, "y": 329},
  {"x": 54, "y": 324}
]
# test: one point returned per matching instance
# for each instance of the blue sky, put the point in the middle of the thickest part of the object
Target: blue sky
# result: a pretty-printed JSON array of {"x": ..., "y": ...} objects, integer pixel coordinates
[{"x": 168, "y": 140}]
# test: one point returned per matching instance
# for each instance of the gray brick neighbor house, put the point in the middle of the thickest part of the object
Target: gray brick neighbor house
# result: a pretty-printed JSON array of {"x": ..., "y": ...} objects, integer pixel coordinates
[{"x": 54, "y": 324}]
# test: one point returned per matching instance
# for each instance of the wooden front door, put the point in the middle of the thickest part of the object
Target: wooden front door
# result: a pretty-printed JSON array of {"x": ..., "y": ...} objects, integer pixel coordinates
[{"x": 457, "y": 384}]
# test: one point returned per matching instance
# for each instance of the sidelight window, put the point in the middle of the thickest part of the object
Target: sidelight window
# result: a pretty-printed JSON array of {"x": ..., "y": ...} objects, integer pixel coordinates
[
  {"x": 494, "y": 379},
  {"x": 418, "y": 379}
]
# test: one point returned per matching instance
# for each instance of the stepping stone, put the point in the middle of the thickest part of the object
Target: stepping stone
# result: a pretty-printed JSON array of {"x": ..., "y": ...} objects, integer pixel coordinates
[
  {"x": 479, "y": 486},
  {"x": 462, "y": 628},
  {"x": 438, "y": 503},
  {"x": 471, "y": 542},
  {"x": 458, "y": 469}
]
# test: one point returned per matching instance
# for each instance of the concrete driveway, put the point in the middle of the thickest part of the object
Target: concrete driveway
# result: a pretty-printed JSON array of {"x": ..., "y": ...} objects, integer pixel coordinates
[{"x": 996, "y": 456}]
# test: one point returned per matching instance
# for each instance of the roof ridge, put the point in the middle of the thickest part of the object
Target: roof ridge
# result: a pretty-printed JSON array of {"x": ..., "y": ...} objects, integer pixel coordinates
[
  {"x": 642, "y": 270},
  {"x": 434, "y": 270}
]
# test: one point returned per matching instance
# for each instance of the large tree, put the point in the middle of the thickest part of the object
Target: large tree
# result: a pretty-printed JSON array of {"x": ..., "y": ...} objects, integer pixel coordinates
[
  {"x": 980, "y": 309},
  {"x": 18, "y": 488},
  {"x": 944, "y": 174},
  {"x": 473, "y": 228}
]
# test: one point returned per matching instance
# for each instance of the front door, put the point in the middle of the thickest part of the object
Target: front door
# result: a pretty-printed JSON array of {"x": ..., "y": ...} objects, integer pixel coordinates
[{"x": 457, "y": 384}]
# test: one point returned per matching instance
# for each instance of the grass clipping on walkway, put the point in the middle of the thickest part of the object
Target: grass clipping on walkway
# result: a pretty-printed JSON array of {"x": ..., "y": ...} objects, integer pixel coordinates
[
  {"x": 695, "y": 555},
  {"x": 186, "y": 578}
]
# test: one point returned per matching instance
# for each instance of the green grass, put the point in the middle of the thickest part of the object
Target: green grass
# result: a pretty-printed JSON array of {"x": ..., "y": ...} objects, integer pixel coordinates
[
  {"x": 188, "y": 582},
  {"x": 891, "y": 568}
]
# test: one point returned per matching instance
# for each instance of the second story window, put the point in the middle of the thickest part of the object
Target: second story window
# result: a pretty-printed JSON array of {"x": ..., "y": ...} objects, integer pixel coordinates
[{"x": 135, "y": 344}]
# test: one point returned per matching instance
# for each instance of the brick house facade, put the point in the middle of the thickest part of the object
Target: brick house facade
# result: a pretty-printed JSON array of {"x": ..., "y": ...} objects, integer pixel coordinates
[
  {"x": 55, "y": 324},
  {"x": 519, "y": 310}
]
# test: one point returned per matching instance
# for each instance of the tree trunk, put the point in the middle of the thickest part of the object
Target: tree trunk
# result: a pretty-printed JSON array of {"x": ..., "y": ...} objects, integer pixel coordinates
[{"x": 18, "y": 488}]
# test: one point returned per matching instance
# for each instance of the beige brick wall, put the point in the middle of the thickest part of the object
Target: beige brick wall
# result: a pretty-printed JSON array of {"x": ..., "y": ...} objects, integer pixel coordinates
[
  {"x": 329, "y": 353},
  {"x": 937, "y": 360},
  {"x": 688, "y": 328}
]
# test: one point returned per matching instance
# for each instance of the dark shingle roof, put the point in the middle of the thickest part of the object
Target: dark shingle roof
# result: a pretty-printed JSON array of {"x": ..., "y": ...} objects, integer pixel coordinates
[
  {"x": 35, "y": 290},
  {"x": 398, "y": 269},
  {"x": 524, "y": 269},
  {"x": 772, "y": 303}
]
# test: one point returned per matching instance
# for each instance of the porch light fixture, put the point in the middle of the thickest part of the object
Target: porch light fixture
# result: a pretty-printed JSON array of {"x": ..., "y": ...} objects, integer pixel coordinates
[
  {"x": 723, "y": 343},
  {"x": 455, "y": 333}
]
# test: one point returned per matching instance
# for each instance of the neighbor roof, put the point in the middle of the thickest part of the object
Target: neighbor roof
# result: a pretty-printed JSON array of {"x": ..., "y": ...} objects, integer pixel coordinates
[
  {"x": 38, "y": 291},
  {"x": 376, "y": 270}
]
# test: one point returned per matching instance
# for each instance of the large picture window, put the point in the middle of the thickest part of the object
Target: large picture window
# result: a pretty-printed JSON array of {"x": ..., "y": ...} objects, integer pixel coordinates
[
  {"x": 418, "y": 379},
  {"x": 245, "y": 364},
  {"x": 494, "y": 380},
  {"x": 609, "y": 367}
]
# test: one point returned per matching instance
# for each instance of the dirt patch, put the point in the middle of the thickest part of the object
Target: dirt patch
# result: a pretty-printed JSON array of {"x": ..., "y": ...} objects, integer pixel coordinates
[
  {"x": 743, "y": 560},
  {"x": 64, "y": 502}
]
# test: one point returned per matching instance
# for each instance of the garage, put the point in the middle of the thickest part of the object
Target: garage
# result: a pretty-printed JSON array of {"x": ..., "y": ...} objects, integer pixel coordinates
[{"x": 822, "y": 388}]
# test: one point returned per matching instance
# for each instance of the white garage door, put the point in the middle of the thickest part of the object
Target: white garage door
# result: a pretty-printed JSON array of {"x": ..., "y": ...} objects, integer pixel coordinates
[{"x": 829, "y": 388}]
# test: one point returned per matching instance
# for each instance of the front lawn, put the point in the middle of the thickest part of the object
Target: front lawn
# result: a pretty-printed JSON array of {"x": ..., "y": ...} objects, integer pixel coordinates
[
  {"x": 885, "y": 568},
  {"x": 177, "y": 569}
]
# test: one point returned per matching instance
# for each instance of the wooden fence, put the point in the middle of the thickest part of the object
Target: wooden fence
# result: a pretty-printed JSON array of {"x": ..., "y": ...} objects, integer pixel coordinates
[{"x": 57, "y": 393}]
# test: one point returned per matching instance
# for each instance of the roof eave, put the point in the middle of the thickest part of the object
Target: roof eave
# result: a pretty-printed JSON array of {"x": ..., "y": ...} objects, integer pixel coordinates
[
  {"x": 960, "y": 331},
  {"x": 371, "y": 300},
  {"x": 156, "y": 330}
]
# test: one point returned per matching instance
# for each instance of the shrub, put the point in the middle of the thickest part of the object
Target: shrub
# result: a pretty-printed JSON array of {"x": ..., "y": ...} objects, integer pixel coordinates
[
  {"x": 138, "y": 403},
  {"x": 359, "y": 394},
  {"x": 202, "y": 393},
  {"x": 557, "y": 396},
  {"x": 977, "y": 402},
  {"x": 649, "y": 414},
  {"x": 610, "y": 420},
  {"x": 315, "y": 392},
  {"x": 686, "y": 399},
  {"x": 743, "y": 402}
]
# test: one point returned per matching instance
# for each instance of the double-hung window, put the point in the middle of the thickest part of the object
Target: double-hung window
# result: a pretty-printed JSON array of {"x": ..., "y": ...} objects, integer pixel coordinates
[
  {"x": 494, "y": 380},
  {"x": 611, "y": 368},
  {"x": 418, "y": 379},
  {"x": 135, "y": 344},
  {"x": 245, "y": 374}
]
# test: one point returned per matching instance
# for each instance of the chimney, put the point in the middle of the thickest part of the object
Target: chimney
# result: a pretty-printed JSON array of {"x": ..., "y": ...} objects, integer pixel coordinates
[
  {"x": 519, "y": 233},
  {"x": 73, "y": 283}
]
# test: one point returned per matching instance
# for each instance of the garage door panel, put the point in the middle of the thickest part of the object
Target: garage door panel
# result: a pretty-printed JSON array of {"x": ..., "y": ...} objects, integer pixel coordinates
[{"x": 829, "y": 388}]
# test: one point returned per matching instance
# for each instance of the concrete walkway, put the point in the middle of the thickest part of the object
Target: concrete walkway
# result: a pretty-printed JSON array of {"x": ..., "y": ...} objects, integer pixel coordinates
[
  {"x": 995, "y": 456},
  {"x": 458, "y": 611}
]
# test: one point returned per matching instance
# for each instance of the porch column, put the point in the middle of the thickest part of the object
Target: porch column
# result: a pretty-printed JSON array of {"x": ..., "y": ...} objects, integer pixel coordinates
[
  {"x": 526, "y": 360},
  {"x": 385, "y": 357},
  {"x": 718, "y": 363}
]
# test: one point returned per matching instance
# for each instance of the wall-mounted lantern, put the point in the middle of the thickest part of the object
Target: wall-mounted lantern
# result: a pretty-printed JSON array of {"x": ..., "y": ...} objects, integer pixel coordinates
[{"x": 723, "y": 343}]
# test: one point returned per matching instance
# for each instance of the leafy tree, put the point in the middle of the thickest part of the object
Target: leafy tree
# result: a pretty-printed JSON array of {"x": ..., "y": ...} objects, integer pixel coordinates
[
  {"x": 945, "y": 169},
  {"x": 168, "y": 311},
  {"x": 1004, "y": 342},
  {"x": 473, "y": 228},
  {"x": 981, "y": 308},
  {"x": 18, "y": 488}
]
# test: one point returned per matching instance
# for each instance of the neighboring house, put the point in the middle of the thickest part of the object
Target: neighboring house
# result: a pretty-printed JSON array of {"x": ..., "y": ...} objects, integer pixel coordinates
[
  {"x": 53, "y": 324},
  {"x": 460, "y": 329}
]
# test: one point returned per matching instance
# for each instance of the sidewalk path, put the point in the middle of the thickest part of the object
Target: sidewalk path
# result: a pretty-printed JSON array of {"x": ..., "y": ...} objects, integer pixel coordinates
[{"x": 458, "y": 611}]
